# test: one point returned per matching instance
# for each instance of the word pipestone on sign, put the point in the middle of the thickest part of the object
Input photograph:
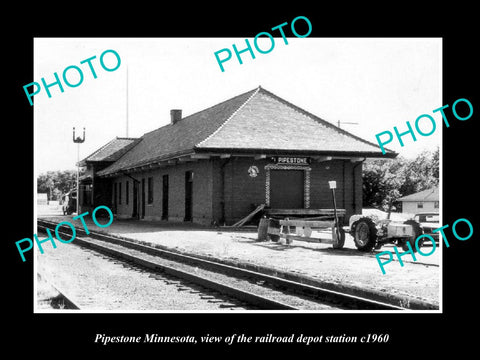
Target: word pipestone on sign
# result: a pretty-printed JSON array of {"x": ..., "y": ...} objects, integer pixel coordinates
[
  {"x": 57, "y": 235},
  {"x": 68, "y": 75},
  {"x": 249, "y": 48},
  {"x": 421, "y": 130}
]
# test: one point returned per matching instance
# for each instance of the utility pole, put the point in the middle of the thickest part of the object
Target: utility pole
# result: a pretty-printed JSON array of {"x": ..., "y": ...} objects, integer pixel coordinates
[{"x": 78, "y": 140}]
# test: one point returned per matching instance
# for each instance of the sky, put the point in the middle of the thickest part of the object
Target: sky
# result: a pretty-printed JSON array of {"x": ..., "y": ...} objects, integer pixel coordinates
[{"x": 376, "y": 83}]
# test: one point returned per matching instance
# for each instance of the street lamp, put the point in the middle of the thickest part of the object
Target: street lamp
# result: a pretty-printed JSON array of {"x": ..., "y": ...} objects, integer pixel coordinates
[{"x": 78, "y": 140}]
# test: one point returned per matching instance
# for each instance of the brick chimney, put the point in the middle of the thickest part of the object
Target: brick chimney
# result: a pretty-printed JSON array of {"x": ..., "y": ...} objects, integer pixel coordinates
[{"x": 175, "y": 115}]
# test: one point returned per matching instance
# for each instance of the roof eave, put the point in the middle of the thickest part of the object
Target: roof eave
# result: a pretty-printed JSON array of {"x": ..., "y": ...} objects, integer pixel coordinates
[
  {"x": 388, "y": 154},
  {"x": 141, "y": 166}
]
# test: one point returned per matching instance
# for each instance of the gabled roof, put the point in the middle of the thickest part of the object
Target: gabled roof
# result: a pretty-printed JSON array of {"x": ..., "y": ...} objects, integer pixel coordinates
[
  {"x": 111, "y": 151},
  {"x": 425, "y": 195},
  {"x": 255, "y": 121},
  {"x": 267, "y": 122}
]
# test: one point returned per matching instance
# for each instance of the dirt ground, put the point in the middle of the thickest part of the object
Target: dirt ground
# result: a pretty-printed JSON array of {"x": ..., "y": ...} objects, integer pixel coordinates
[{"x": 415, "y": 285}]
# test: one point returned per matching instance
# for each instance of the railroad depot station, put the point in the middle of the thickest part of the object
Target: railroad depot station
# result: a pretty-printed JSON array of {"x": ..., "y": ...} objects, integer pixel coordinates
[{"x": 218, "y": 165}]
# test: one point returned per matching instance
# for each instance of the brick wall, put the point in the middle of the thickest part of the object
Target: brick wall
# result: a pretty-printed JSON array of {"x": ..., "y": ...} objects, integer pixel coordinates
[
  {"x": 342, "y": 171},
  {"x": 320, "y": 193},
  {"x": 202, "y": 192},
  {"x": 242, "y": 193}
]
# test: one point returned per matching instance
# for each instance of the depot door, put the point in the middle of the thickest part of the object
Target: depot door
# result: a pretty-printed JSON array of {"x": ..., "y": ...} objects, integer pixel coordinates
[
  {"x": 165, "y": 197},
  {"x": 287, "y": 189},
  {"x": 188, "y": 195},
  {"x": 142, "y": 215},
  {"x": 135, "y": 199}
]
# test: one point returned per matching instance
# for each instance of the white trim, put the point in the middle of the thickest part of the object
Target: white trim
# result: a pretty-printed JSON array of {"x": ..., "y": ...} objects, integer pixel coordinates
[{"x": 306, "y": 184}]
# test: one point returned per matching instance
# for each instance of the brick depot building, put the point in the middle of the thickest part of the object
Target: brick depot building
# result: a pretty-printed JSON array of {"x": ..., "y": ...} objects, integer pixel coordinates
[{"x": 217, "y": 165}]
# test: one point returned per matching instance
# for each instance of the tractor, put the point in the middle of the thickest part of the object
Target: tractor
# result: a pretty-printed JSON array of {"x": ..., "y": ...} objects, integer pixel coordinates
[{"x": 370, "y": 232}]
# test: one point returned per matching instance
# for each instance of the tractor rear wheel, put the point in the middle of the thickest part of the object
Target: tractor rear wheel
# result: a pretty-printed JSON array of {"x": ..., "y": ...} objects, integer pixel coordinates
[
  {"x": 364, "y": 234},
  {"x": 417, "y": 231}
]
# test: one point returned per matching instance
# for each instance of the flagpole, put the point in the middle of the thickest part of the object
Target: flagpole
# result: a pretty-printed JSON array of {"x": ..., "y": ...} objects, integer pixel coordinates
[{"x": 127, "y": 105}]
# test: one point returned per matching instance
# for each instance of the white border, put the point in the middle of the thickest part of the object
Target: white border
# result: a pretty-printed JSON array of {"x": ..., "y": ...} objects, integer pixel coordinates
[{"x": 239, "y": 312}]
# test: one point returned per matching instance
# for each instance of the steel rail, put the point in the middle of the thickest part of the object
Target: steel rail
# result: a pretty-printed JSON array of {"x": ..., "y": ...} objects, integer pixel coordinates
[
  {"x": 242, "y": 295},
  {"x": 67, "y": 299},
  {"x": 337, "y": 298}
]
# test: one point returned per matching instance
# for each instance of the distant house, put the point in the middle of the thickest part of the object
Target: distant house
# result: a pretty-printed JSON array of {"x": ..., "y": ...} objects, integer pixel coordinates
[{"x": 426, "y": 200}]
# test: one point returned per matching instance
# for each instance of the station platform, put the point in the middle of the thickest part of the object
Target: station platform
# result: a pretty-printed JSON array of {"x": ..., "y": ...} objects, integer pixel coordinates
[{"x": 414, "y": 286}]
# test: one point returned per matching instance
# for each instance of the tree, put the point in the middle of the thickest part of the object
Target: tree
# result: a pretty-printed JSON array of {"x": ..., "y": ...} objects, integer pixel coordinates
[
  {"x": 56, "y": 183},
  {"x": 422, "y": 172},
  {"x": 45, "y": 184},
  {"x": 66, "y": 180},
  {"x": 384, "y": 181}
]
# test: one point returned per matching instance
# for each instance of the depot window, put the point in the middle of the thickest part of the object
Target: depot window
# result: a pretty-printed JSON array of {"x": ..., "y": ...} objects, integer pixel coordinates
[
  {"x": 150, "y": 190},
  {"x": 119, "y": 192},
  {"x": 127, "y": 195}
]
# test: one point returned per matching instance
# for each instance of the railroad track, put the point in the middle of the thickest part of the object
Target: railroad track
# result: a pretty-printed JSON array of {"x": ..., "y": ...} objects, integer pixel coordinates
[
  {"x": 61, "y": 300},
  {"x": 82, "y": 297},
  {"x": 258, "y": 290}
]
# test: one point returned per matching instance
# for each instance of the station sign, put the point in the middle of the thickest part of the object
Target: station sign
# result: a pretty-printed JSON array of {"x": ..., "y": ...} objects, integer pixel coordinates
[{"x": 291, "y": 160}]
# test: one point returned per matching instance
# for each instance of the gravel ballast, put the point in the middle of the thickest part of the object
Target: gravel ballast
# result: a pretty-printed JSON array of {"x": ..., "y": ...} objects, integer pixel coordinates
[{"x": 345, "y": 268}]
